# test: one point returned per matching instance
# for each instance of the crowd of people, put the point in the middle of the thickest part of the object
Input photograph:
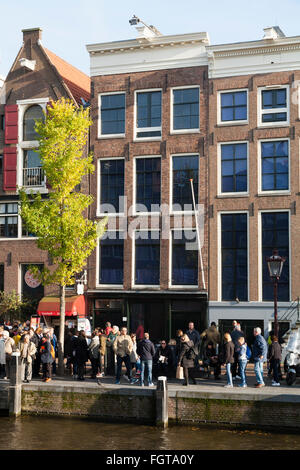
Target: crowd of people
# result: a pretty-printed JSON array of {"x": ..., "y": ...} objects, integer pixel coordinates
[{"x": 110, "y": 348}]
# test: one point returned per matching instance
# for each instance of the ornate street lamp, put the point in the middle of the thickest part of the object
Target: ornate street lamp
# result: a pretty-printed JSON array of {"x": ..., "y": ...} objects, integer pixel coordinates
[{"x": 275, "y": 265}]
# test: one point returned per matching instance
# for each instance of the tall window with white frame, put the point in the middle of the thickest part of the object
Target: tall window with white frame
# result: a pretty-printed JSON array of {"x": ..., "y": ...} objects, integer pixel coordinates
[
  {"x": 111, "y": 260},
  {"x": 275, "y": 235},
  {"x": 111, "y": 186},
  {"x": 185, "y": 257},
  {"x": 185, "y": 109},
  {"x": 147, "y": 258},
  {"x": 9, "y": 220},
  {"x": 185, "y": 168},
  {"x": 234, "y": 168},
  {"x": 234, "y": 251},
  {"x": 112, "y": 114},
  {"x": 148, "y": 114},
  {"x": 148, "y": 191},
  {"x": 233, "y": 106},
  {"x": 274, "y": 106},
  {"x": 33, "y": 174},
  {"x": 275, "y": 165}
]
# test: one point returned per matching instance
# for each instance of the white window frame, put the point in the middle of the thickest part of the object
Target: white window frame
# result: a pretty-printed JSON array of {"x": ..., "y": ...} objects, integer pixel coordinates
[
  {"x": 182, "y": 131},
  {"x": 219, "y": 154},
  {"x": 176, "y": 286},
  {"x": 135, "y": 212},
  {"x": 15, "y": 214},
  {"x": 110, "y": 136},
  {"x": 260, "y": 276},
  {"x": 219, "y": 242},
  {"x": 133, "y": 257},
  {"x": 98, "y": 253},
  {"x": 98, "y": 212},
  {"x": 261, "y": 111},
  {"x": 219, "y": 114},
  {"x": 23, "y": 145},
  {"x": 273, "y": 192},
  {"x": 172, "y": 212},
  {"x": 145, "y": 129}
]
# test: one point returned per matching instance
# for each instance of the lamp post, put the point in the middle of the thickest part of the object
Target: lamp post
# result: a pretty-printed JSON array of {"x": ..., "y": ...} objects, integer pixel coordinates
[{"x": 275, "y": 264}]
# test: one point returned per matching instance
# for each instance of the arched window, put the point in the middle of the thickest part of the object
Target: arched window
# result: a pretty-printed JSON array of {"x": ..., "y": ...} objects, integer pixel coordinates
[{"x": 32, "y": 114}]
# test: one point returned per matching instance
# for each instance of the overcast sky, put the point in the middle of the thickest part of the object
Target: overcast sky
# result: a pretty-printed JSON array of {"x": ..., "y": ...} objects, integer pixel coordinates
[{"x": 68, "y": 25}]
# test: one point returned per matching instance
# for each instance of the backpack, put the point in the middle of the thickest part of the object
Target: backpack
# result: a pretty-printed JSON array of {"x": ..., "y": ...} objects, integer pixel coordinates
[{"x": 248, "y": 353}]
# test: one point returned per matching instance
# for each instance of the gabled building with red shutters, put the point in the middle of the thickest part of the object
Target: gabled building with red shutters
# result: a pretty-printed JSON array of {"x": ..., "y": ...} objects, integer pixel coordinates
[{"x": 36, "y": 77}]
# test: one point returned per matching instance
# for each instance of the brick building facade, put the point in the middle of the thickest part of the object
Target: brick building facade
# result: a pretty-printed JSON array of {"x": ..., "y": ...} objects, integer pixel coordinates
[
  {"x": 248, "y": 147},
  {"x": 36, "y": 77},
  {"x": 156, "y": 152},
  {"x": 254, "y": 151}
]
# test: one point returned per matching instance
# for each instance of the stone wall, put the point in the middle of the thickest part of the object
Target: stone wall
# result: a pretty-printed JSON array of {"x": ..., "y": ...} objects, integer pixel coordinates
[{"x": 110, "y": 405}]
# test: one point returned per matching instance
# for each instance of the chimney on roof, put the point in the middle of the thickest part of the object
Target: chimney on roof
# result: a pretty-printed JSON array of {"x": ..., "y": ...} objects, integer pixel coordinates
[
  {"x": 273, "y": 32},
  {"x": 30, "y": 37},
  {"x": 33, "y": 34}
]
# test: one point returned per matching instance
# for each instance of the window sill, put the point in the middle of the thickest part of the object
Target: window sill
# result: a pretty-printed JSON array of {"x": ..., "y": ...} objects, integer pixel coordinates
[
  {"x": 229, "y": 195},
  {"x": 274, "y": 193},
  {"x": 111, "y": 136},
  {"x": 232, "y": 123},
  {"x": 273, "y": 124},
  {"x": 185, "y": 131},
  {"x": 183, "y": 287},
  {"x": 109, "y": 286},
  {"x": 146, "y": 286},
  {"x": 147, "y": 139}
]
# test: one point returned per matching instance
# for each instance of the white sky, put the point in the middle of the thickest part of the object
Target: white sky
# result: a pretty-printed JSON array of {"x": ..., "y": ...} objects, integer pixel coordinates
[{"x": 68, "y": 25}]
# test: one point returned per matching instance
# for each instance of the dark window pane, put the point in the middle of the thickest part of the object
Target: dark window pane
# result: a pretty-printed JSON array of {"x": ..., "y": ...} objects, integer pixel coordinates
[
  {"x": 234, "y": 256},
  {"x": 275, "y": 168},
  {"x": 186, "y": 109},
  {"x": 111, "y": 184},
  {"x": 149, "y": 112},
  {"x": 275, "y": 235},
  {"x": 113, "y": 114},
  {"x": 147, "y": 258},
  {"x": 184, "y": 258},
  {"x": 184, "y": 169},
  {"x": 111, "y": 258},
  {"x": 234, "y": 165},
  {"x": 234, "y": 106}
]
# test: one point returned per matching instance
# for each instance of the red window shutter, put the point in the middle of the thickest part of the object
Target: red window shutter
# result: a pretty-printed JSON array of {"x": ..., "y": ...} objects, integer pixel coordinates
[
  {"x": 11, "y": 124},
  {"x": 9, "y": 168}
]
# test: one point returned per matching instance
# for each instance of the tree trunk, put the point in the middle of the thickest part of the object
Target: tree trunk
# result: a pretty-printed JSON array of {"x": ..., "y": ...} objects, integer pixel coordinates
[{"x": 61, "y": 340}]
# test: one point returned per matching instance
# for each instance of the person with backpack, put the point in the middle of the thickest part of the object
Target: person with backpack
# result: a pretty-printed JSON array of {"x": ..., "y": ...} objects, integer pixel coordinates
[
  {"x": 242, "y": 360},
  {"x": 187, "y": 359},
  {"x": 47, "y": 357}
]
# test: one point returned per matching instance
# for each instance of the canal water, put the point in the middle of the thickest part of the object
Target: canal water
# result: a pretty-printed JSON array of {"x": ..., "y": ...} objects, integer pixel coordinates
[{"x": 49, "y": 433}]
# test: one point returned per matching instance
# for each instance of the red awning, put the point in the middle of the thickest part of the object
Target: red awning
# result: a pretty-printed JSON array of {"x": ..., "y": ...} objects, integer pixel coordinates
[{"x": 50, "y": 306}]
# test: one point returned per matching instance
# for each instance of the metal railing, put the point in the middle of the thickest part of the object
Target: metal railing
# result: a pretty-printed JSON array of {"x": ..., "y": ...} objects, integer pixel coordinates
[
  {"x": 292, "y": 314},
  {"x": 33, "y": 177}
]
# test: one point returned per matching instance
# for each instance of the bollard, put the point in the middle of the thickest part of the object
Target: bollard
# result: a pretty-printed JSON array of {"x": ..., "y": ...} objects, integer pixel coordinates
[
  {"x": 15, "y": 386},
  {"x": 162, "y": 402}
]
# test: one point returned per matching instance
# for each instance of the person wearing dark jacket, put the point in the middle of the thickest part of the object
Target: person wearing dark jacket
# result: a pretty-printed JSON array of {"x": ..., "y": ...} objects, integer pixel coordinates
[
  {"x": 235, "y": 335},
  {"x": 163, "y": 360},
  {"x": 228, "y": 357},
  {"x": 193, "y": 335},
  {"x": 46, "y": 357},
  {"x": 187, "y": 359},
  {"x": 259, "y": 351},
  {"x": 274, "y": 356},
  {"x": 146, "y": 352},
  {"x": 37, "y": 340},
  {"x": 81, "y": 354}
]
